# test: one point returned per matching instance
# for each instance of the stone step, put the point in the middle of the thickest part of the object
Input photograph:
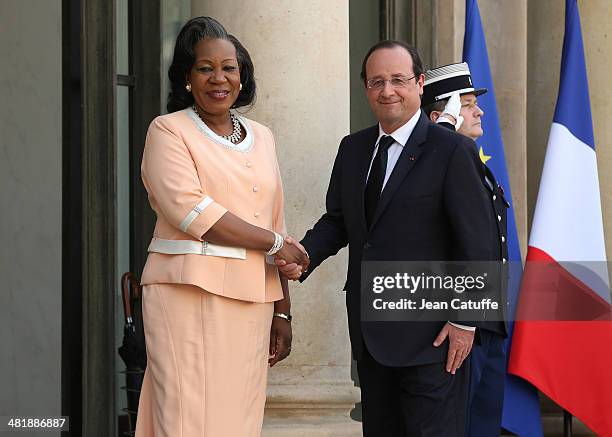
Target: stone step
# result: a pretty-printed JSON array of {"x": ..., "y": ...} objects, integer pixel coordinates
[
  {"x": 334, "y": 427},
  {"x": 311, "y": 427},
  {"x": 323, "y": 414},
  {"x": 552, "y": 420},
  {"x": 553, "y": 426}
]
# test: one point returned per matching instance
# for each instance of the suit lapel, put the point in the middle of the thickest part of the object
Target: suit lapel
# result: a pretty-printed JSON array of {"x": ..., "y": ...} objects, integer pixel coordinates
[
  {"x": 491, "y": 177},
  {"x": 409, "y": 156},
  {"x": 495, "y": 188}
]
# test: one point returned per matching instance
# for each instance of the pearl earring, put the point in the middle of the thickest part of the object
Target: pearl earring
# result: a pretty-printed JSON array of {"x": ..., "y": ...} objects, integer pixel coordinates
[
  {"x": 240, "y": 86},
  {"x": 188, "y": 87}
]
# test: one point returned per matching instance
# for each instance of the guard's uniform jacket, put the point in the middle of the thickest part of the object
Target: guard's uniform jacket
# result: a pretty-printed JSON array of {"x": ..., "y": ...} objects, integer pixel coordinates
[{"x": 500, "y": 206}]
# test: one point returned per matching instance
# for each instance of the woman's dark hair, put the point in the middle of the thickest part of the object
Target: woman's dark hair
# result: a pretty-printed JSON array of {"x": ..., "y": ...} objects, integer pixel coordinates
[
  {"x": 194, "y": 31},
  {"x": 247, "y": 74},
  {"x": 417, "y": 64}
]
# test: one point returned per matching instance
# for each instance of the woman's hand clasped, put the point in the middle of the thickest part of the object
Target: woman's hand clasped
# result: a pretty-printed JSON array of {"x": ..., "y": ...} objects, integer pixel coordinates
[{"x": 292, "y": 260}]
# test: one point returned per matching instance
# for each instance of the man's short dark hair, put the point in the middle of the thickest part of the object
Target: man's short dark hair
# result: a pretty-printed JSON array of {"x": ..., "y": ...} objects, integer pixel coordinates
[
  {"x": 417, "y": 64},
  {"x": 435, "y": 106}
]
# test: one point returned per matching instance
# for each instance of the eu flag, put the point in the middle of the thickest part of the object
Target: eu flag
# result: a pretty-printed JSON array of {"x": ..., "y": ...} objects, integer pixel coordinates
[{"x": 521, "y": 413}]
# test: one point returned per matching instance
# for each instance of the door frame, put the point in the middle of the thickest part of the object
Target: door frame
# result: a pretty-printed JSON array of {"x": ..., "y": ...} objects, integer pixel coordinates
[{"x": 89, "y": 275}]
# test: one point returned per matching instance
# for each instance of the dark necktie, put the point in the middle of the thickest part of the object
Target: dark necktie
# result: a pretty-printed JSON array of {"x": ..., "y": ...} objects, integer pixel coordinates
[{"x": 376, "y": 178}]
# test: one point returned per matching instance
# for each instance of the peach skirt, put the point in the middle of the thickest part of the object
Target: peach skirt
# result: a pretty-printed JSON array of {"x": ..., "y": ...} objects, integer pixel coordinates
[{"x": 207, "y": 364}]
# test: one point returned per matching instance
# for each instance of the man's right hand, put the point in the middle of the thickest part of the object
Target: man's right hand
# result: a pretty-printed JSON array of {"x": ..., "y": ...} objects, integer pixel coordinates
[
  {"x": 452, "y": 111},
  {"x": 292, "y": 270},
  {"x": 460, "y": 345}
]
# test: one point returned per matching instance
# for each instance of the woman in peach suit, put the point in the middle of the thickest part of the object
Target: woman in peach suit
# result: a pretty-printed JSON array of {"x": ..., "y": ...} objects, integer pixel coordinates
[{"x": 216, "y": 313}]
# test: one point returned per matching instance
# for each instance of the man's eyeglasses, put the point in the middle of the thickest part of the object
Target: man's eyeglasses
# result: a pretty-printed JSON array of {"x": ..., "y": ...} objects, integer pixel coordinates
[{"x": 396, "y": 82}]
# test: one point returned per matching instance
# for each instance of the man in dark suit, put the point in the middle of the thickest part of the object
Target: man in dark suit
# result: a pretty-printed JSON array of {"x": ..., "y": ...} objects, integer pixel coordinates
[
  {"x": 450, "y": 100},
  {"x": 404, "y": 190}
]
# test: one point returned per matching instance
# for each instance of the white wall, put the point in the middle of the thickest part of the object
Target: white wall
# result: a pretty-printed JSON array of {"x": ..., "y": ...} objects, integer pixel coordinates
[{"x": 30, "y": 207}]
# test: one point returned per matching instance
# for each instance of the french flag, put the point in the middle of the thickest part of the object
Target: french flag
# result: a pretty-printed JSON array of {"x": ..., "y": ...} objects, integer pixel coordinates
[{"x": 562, "y": 339}]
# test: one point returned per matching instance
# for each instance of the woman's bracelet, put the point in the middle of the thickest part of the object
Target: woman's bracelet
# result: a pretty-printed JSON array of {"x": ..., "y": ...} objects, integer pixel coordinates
[{"x": 279, "y": 241}]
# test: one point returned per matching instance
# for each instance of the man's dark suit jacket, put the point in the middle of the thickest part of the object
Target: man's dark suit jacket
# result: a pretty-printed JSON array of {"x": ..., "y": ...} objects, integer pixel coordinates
[{"x": 434, "y": 207}]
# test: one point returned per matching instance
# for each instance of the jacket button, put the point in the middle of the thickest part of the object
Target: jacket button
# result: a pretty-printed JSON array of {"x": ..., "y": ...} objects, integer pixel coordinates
[
  {"x": 503, "y": 239},
  {"x": 494, "y": 197},
  {"x": 367, "y": 246},
  {"x": 255, "y": 189},
  {"x": 504, "y": 260},
  {"x": 498, "y": 218},
  {"x": 248, "y": 164},
  {"x": 256, "y": 214}
]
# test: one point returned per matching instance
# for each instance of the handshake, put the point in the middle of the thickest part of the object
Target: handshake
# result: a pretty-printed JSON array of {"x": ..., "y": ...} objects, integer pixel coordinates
[{"x": 292, "y": 259}]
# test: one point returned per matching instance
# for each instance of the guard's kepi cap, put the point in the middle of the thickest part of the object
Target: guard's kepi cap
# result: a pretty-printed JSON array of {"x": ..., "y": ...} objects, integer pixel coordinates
[{"x": 443, "y": 81}]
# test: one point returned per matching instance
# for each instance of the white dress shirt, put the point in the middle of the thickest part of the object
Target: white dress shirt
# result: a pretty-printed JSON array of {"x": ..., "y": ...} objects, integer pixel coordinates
[{"x": 400, "y": 137}]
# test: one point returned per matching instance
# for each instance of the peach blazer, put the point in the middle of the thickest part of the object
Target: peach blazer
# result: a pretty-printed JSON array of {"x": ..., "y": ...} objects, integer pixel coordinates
[{"x": 193, "y": 177}]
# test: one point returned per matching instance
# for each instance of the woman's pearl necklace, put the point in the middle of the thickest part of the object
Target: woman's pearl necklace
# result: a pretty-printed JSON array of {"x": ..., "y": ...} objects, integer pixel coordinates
[{"x": 236, "y": 134}]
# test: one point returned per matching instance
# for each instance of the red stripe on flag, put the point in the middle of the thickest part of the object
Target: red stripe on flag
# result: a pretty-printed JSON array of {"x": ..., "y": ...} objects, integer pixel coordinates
[
  {"x": 556, "y": 294},
  {"x": 569, "y": 361}
]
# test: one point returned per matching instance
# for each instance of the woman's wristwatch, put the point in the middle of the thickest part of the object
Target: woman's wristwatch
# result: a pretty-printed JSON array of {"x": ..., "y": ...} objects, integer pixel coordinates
[{"x": 285, "y": 316}]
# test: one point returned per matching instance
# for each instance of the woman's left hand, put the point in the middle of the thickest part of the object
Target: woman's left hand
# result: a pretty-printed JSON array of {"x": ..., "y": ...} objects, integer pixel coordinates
[{"x": 280, "y": 340}]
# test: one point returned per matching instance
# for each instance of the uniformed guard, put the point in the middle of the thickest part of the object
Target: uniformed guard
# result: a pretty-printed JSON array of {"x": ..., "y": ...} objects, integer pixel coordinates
[{"x": 450, "y": 100}]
